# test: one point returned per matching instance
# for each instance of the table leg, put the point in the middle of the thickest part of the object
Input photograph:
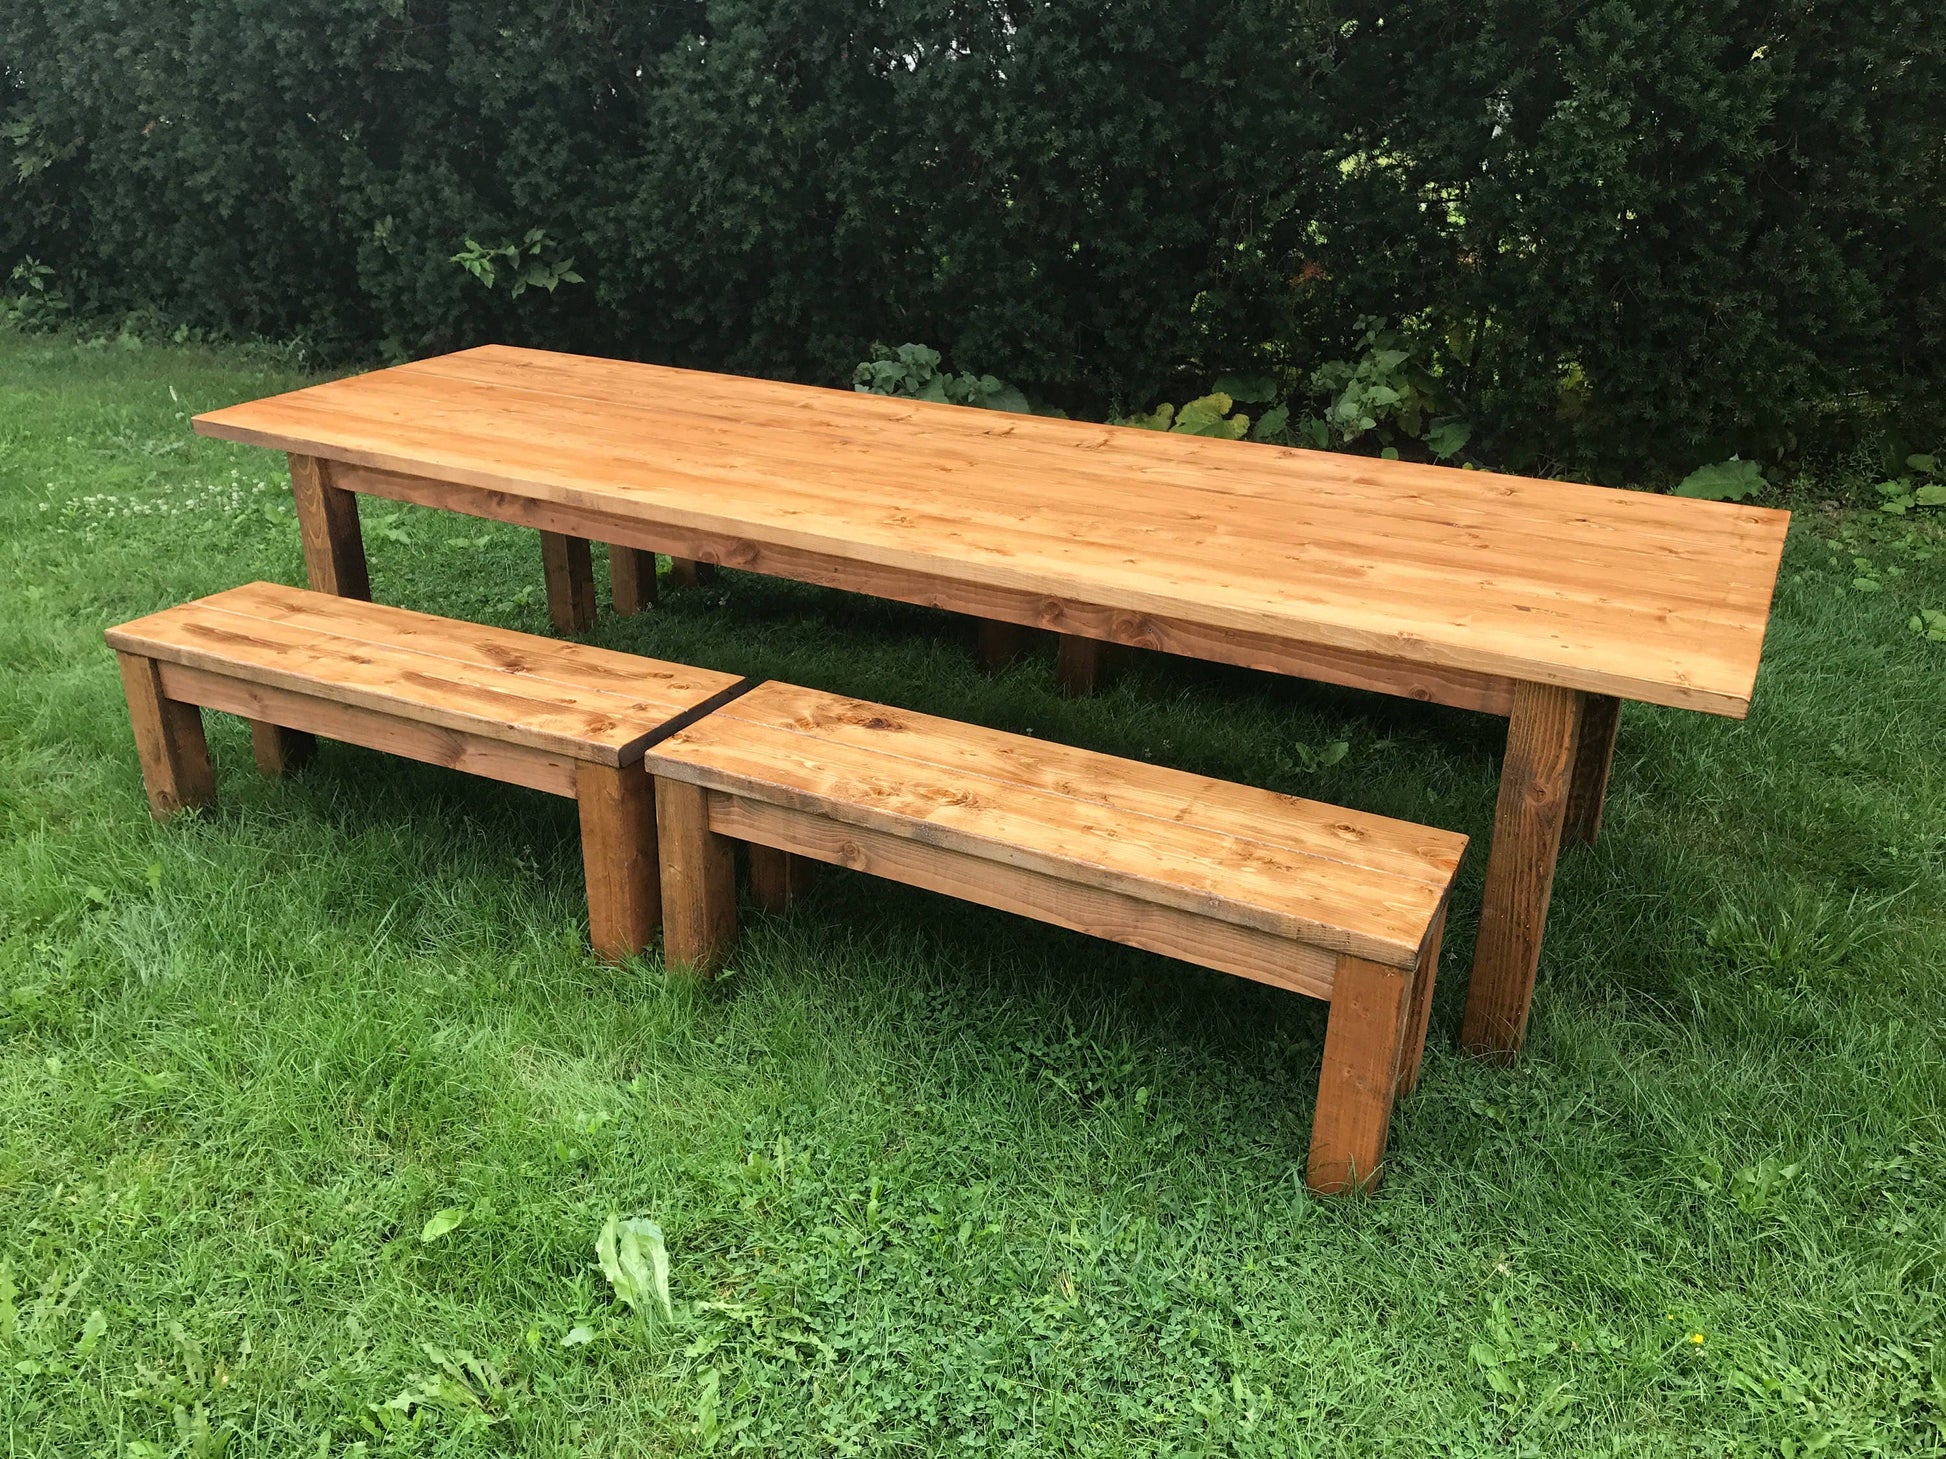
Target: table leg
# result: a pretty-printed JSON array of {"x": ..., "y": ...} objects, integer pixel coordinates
[
  {"x": 777, "y": 878},
  {"x": 1601, "y": 716},
  {"x": 327, "y": 522},
  {"x": 278, "y": 750},
  {"x": 1078, "y": 665},
  {"x": 1520, "y": 867},
  {"x": 1000, "y": 643},
  {"x": 686, "y": 573},
  {"x": 631, "y": 578},
  {"x": 570, "y": 570}
]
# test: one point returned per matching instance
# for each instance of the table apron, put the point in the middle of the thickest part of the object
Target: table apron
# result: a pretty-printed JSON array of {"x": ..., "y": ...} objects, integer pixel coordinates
[{"x": 1430, "y": 683}]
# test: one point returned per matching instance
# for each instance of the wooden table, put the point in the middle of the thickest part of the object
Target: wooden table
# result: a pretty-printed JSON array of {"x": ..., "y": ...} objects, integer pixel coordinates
[{"x": 1542, "y": 601}]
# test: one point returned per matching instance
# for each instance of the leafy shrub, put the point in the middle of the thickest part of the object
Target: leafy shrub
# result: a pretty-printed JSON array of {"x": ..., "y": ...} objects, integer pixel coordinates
[
  {"x": 1207, "y": 415},
  {"x": 532, "y": 263},
  {"x": 32, "y": 302},
  {"x": 1923, "y": 485},
  {"x": 1724, "y": 481},
  {"x": 1625, "y": 235},
  {"x": 912, "y": 370}
]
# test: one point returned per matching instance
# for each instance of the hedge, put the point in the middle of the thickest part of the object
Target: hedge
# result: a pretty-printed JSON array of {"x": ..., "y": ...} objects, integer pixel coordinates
[{"x": 1616, "y": 234}]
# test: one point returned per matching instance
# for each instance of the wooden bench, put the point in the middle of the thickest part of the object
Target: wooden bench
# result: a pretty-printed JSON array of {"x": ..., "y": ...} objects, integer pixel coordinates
[
  {"x": 558, "y": 717},
  {"x": 1326, "y": 902}
]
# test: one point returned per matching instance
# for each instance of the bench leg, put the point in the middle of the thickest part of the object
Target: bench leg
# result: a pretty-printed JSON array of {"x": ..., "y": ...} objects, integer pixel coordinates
[
  {"x": 618, "y": 855},
  {"x": 699, "y": 904},
  {"x": 777, "y": 878},
  {"x": 631, "y": 579},
  {"x": 570, "y": 570},
  {"x": 1078, "y": 665},
  {"x": 168, "y": 740},
  {"x": 1000, "y": 644},
  {"x": 1520, "y": 868},
  {"x": 1424, "y": 977},
  {"x": 1364, "y": 1050},
  {"x": 1601, "y": 716},
  {"x": 327, "y": 523},
  {"x": 687, "y": 573},
  {"x": 280, "y": 751}
]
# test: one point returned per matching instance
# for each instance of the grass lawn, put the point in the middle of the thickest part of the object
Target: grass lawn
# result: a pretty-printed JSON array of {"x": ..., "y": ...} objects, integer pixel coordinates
[{"x": 934, "y": 1180}]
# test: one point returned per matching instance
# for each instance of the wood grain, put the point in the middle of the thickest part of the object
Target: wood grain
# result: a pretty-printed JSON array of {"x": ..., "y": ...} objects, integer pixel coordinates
[
  {"x": 1078, "y": 665},
  {"x": 1364, "y": 1042},
  {"x": 1520, "y": 868},
  {"x": 777, "y": 878},
  {"x": 1113, "y": 916},
  {"x": 1295, "y": 869},
  {"x": 1403, "y": 677},
  {"x": 374, "y": 729},
  {"x": 169, "y": 742},
  {"x": 279, "y": 750},
  {"x": 1622, "y": 593},
  {"x": 631, "y": 579},
  {"x": 698, "y": 881},
  {"x": 564, "y": 699},
  {"x": 568, "y": 566},
  {"x": 1594, "y": 755},
  {"x": 1002, "y": 644},
  {"x": 1426, "y": 976},
  {"x": 690, "y": 572},
  {"x": 620, "y": 857},
  {"x": 327, "y": 525}
]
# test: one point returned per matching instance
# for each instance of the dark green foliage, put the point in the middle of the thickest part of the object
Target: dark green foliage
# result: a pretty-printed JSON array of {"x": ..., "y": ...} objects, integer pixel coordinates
[{"x": 1628, "y": 234}]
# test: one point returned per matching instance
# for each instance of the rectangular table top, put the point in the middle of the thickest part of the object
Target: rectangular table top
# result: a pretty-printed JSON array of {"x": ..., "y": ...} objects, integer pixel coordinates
[{"x": 1653, "y": 598}]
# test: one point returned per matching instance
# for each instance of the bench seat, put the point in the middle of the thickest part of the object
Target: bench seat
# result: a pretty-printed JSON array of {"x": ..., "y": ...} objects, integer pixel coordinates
[
  {"x": 1334, "y": 904},
  {"x": 560, "y": 717}
]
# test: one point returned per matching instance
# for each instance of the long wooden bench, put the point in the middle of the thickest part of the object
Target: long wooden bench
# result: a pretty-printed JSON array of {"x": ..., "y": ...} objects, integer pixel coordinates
[
  {"x": 559, "y": 717},
  {"x": 1330, "y": 903}
]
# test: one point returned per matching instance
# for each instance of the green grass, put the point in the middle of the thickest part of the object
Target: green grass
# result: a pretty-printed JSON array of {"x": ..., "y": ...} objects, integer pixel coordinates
[{"x": 934, "y": 1180}]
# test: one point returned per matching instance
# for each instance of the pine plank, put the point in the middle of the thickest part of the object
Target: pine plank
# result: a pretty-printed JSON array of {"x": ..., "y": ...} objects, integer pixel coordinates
[
  {"x": 1077, "y": 665},
  {"x": 618, "y": 852},
  {"x": 1594, "y": 756},
  {"x": 568, "y": 568},
  {"x": 1427, "y": 976},
  {"x": 559, "y": 698},
  {"x": 631, "y": 579},
  {"x": 1527, "y": 826},
  {"x": 1098, "y": 911},
  {"x": 1364, "y": 1049},
  {"x": 374, "y": 729},
  {"x": 1406, "y": 677},
  {"x": 1617, "y": 593},
  {"x": 327, "y": 527},
  {"x": 698, "y": 881},
  {"x": 169, "y": 742},
  {"x": 970, "y": 753},
  {"x": 279, "y": 749},
  {"x": 777, "y": 878},
  {"x": 1290, "y": 868}
]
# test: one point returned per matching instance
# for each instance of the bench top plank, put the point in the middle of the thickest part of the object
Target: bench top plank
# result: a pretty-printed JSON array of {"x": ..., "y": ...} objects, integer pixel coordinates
[
  {"x": 563, "y": 698},
  {"x": 1645, "y": 597},
  {"x": 1332, "y": 878}
]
